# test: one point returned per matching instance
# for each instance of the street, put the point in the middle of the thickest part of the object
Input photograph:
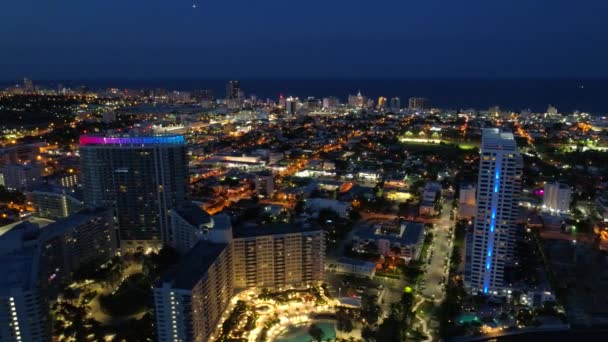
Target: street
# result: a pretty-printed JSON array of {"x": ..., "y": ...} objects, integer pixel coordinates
[{"x": 437, "y": 270}]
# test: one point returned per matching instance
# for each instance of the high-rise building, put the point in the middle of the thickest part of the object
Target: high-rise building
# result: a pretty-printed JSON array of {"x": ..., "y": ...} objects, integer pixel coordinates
[
  {"x": 141, "y": 178},
  {"x": 233, "y": 90},
  {"x": 23, "y": 310},
  {"x": 557, "y": 198},
  {"x": 330, "y": 102},
  {"x": 71, "y": 242},
  {"x": 291, "y": 105},
  {"x": 20, "y": 176},
  {"x": 499, "y": 185},
  {"x": 35, "y": 263},
  {"x": 358, "y": 100},
  {"x": 417, "y": 103},
  {"x": 55, "y": 202},
  {"x": 382, "y": 102},
  {"x": 190, "y": 299},
  {"x": 190, "y": 224},
  {"x": 28, "y": 85},
  {"x": 395, "y": 104},
  {"x": 278, "y": 256}
]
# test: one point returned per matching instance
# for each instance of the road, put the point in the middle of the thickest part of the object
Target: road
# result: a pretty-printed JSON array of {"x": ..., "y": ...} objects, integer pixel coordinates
[{"x": 441, "y": 248}]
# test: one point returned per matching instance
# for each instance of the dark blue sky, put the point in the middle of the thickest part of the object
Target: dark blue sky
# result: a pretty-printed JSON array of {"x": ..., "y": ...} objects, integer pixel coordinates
[{"x": 88, "y": 39}]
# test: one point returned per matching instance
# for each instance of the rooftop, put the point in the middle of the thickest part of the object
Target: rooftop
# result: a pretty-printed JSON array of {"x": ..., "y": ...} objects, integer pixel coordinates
[
  {"x": 193, "y": 266},
  {"x": 356, "y": 262},
  {"x": 409, "y": 235},
  {"x": 132, "y": 140},
  {"x": 19, "y": 270},
  {"x": 193, "y": 214},
  {"x": 274, "y": 229},
  {"x": 493, "y": 138},
  {"x": 59, "y": 227}
]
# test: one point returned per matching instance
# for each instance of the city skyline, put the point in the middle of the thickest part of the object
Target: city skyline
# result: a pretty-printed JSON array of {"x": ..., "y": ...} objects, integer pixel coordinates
[{"x": 288, "y": 171}]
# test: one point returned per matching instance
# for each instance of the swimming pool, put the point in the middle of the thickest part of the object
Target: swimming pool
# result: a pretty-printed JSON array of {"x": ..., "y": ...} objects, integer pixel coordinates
[{"x": 299, "y": 332}]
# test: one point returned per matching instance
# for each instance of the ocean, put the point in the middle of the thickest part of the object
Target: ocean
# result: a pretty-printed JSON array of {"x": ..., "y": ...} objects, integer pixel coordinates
[{"x": 567, "y": 95}]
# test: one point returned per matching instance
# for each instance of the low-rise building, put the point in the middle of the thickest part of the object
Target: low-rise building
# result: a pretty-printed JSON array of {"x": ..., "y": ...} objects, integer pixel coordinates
[
  {"x": 315, "y": 205},
  {"x": 466, "y": 201},
  {"x": 557, "y": 198},
  {"x": 403, "y": 241},
  {"x": 356, "y": 267},
  {"x": 264, "y": 184}
]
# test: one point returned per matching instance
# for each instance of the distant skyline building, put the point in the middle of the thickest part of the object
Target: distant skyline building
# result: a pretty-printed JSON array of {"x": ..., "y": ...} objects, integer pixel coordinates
[
  {"x": 330, "y": 102},
  {"x": 291, "y": 105},
  {"x": 418, "y": 103},
  {"x": 382, "y": 102},
  {"x": 28, "y": 85},
  {"x": 233, "y": 90},
  {"x": 141, "y": 178},
  {"x": 557, "y": 198},
  {"x": 395, "y": 104},
  {"x": 498, "y": 189},
  {"x": 358, "y": 101}
]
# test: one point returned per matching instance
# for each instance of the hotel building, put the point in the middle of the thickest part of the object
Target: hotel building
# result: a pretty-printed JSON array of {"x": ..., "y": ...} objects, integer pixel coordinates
[{"x": 141, "y": 178}]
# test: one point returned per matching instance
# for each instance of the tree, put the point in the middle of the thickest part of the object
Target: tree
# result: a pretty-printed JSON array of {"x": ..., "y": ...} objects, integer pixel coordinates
[
  {"x": 370, "y": 310},
  {"x": 11, "y": 196},
  {"x": 343, "y": 321},
  {"x": 69, "y": 294},
  {"x": 299, "y": 207},
  {"x": 316, "y": 333}
]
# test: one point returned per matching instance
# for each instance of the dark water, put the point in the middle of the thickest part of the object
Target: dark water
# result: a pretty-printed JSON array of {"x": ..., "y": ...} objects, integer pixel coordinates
[{"x": 566, "y": 95}]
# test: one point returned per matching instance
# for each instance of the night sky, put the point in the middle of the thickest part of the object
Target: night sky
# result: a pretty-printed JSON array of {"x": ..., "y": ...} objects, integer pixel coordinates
[{"x": 152, "y": 39}]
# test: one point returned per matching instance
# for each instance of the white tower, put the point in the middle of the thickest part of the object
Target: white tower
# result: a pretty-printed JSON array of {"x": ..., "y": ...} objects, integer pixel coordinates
[{"x": 498, "y": 189}]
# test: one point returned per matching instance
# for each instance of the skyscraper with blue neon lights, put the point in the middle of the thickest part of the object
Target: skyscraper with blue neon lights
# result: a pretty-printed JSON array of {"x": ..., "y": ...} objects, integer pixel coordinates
[
  {"x": 490, "y": 248},
  {"x": 141, "y": 177}
]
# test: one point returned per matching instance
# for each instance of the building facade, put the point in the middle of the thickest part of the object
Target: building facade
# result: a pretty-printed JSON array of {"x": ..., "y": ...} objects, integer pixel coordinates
[
  {"x": 20, "y": 176},
  {"x": 141, "y": 178},
  {"x": 467, "y": 203},
  {"x": 557, "y": 198},
  {"x": 23, "y": 308},
  {"x": 189, "y": 224},
  {"x": 70, "y": 243},
  {"x": 190, "y": 300},
  {"x": 23, "y": 311},
  {"x": 498, "y": 190},
  {"x": 55, "y": 203},
  {"x": 279, "y": 256}
]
